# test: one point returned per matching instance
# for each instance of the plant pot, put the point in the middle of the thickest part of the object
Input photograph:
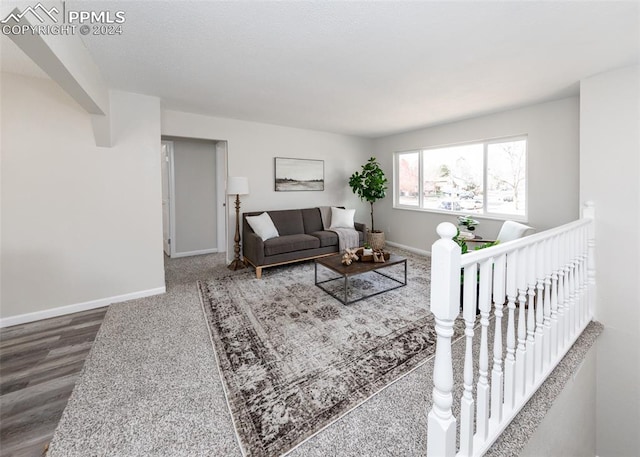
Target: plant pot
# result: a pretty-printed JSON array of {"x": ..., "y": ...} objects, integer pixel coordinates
[{"x": 376, "y": 239}]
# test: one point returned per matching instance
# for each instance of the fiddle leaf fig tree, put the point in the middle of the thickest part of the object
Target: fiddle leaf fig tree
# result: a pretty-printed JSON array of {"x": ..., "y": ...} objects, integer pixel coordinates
[{"x": 370, "y": 184}]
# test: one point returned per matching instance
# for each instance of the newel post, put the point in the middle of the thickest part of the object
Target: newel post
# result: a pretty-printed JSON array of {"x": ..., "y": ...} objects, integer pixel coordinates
[
  {"x": 589, "y": 212},
  {"x": 445, "y": 306}
]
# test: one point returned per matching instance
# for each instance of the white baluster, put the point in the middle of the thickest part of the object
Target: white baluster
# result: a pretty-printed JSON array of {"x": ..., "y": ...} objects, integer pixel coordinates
[
  {"x": 445, "y": 305},
  {"x": 548, "y": 271},
  {"x": 561, "y": 298},
  {"x": 540, "y": 343},
  {"x": 484, "y": 299},
  {"x": 496, "y": 372},
  {"x": 470, "y": 299},
  {"x": 578, "y": 285},
  {"x": 510, "y": 359},
  {"x": 467, "y": 402},
  {"x": 554, "y": 297},
  {"x": 567, "y": 290},
  {"x": 531, "y": 320},
  {"x": 521, "y": 352},
  {"x": 579, "y": 290},
  {"x": 571, "y": 266}
]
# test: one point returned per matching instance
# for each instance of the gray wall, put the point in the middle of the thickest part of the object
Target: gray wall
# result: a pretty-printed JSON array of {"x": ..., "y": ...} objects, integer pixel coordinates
[
  {"x": 568, "y": 428},
  {"x": 251, "y": 149},
  {"x": 195, "y": 196},
  {"x": 609, "y": 176},
  {"x": 81, "y": 225},
  {"x": 553, "y": 168}
]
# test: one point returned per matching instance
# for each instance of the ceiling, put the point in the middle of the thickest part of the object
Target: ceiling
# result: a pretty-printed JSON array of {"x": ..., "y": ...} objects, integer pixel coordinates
[{"x": 362, "y": 68}]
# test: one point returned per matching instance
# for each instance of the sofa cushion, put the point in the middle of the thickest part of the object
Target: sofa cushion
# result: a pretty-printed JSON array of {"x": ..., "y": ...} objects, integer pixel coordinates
[
  {"x": 290, "y": 243},
  {"x": 342, "y": 218},
  {"x": 288, "y": 221},
  {"x": 326, "y": 238},
  {"x": 312, "y": 220},
  {"x": 263, "y": 226}
]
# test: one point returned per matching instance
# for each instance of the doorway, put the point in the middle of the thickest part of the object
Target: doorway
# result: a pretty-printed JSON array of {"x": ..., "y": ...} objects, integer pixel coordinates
[{"x": 193, "y": 197}]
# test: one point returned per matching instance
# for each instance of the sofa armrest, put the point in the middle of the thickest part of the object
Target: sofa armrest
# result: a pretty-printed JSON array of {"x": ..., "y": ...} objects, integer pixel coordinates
[
  {"x": 253, "y": 248},
  {"x": 360, "y": 227}
]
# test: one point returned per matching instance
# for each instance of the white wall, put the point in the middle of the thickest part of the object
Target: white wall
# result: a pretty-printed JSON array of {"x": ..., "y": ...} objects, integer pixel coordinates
[
  {"x": 610, "y": 176},
  {"x": 80, "y": 224},
  {"x": 553, "y": 140},
  {"x": 251, "y": 150},
  {"x": 195, "y": 194},
  {"x": 568, "y": 427}
]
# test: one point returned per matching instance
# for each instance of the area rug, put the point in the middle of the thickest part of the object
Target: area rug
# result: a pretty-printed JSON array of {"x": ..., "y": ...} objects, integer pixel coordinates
[{"x": 293, "y": 359}]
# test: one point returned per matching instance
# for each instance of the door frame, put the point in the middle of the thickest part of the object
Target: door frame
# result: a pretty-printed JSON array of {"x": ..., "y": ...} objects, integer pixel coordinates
[
  {"x": 221, "y": 150},
  {"x": 172, "y": 197},
  {"x": 222, "y": 215}
]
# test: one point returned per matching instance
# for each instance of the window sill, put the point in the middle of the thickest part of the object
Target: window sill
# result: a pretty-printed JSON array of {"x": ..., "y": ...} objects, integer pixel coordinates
[{"x": 489, "y": 217}]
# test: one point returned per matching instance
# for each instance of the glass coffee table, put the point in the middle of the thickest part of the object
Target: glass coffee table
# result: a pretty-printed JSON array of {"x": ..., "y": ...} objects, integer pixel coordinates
[{"x": 346, "y": 272}]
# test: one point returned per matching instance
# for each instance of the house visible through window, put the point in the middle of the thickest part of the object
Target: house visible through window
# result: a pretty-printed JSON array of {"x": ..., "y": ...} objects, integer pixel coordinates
[{"x": 486, "y": 177}]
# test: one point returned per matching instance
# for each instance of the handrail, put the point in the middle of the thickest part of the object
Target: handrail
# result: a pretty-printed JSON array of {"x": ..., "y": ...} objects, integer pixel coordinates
[
  {"x": 548, "y": 280},
  {"x": 502, "y": 248}
]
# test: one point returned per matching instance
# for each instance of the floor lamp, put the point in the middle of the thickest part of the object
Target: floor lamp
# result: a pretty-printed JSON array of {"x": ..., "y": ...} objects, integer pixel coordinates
[{"x": 237, "y": 186}]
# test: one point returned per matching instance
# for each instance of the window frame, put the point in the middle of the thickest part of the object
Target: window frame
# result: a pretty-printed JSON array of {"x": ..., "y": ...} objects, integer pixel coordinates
[{"x": 485, "y": 214}]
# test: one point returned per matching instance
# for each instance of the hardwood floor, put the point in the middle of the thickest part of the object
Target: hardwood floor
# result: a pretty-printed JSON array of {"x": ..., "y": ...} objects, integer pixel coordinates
[{"x": 39, "y": 365}]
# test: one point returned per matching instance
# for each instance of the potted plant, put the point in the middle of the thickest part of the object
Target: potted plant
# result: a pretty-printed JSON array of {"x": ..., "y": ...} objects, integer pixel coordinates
[
  {"x": 467, "y": 222},
  {"x": 370, "y": 185},
  {"x": 368, "y": 250},
  {"x": 461, "y": 239}
]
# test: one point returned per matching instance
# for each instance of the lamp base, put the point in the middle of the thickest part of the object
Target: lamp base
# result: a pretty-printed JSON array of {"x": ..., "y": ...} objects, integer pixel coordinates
[{"x": 237, "y": 264}]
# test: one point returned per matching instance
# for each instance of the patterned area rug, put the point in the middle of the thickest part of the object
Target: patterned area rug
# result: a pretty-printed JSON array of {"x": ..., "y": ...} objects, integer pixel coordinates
[{"x": 294, "y": 359}]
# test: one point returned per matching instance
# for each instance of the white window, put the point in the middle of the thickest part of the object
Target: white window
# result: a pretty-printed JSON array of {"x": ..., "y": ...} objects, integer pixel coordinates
[{"x": 485, "y": 178}]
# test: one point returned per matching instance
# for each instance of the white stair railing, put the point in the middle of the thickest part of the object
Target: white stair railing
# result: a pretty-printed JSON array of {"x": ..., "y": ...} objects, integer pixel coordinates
[{"x": 545, "y": 284}]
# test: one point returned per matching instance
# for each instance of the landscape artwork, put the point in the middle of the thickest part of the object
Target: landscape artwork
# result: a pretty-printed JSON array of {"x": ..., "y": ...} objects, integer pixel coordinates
[{"x": 298, "y": 174}]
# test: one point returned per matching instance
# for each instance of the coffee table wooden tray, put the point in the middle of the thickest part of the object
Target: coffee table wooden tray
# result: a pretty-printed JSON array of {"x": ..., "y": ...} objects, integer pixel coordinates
[
  {"x": 345, "y": 272},
  {"x": 369, "y": 258}
]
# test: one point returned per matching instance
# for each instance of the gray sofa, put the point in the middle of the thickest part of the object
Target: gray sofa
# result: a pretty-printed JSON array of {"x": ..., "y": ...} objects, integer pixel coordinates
[{"x": 302, "y": 237}]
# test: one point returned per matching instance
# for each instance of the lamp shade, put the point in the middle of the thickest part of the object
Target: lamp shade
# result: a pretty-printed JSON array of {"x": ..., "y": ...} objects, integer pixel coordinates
[{"x": 237, "y": 186}]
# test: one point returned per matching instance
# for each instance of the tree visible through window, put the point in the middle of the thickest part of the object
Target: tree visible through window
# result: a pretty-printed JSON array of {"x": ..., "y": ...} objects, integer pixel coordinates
[
  {"x": 486, "y": 177},
  {"x": 506, "y": 172},
  {"x": 409, "y": 182}
]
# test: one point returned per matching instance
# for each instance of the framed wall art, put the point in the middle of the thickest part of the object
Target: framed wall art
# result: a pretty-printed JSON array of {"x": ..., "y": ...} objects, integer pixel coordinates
[{"x": 298, "y": 174}]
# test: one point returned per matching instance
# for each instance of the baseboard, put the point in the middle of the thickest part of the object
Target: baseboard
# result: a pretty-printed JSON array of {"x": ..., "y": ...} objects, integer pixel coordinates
[
  {"x": 409, "y": 248},
  {"x": 190, "y": 253},
  {"x": 75, "y": 308}
]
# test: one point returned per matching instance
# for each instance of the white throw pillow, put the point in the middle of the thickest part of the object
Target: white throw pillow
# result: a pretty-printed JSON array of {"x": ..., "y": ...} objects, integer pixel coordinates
[
  {"x": 263, "y": 226},
  {"x": 342, "y": 218}
]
